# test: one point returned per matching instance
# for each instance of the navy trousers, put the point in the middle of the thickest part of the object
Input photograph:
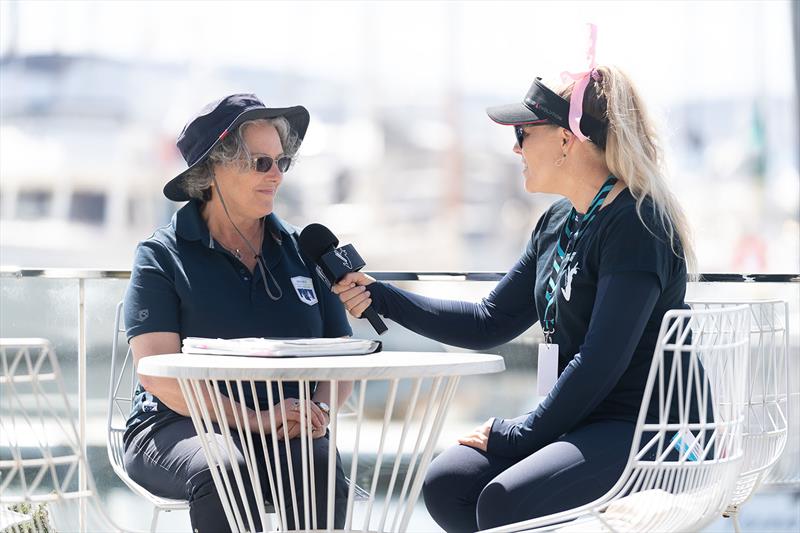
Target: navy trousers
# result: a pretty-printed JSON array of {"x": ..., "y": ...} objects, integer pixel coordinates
[{"x": 169, "y": 462}]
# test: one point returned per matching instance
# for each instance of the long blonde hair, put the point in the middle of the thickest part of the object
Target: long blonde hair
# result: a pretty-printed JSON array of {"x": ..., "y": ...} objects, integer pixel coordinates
[{"x": 633, "y": 153}]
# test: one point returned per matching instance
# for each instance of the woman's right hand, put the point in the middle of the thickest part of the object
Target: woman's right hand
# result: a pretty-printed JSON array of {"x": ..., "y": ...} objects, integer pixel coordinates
[
  {"x": 352, "y": 291},
  {"x": 291, "y": 428},
  {"x": 292, "y": 420}
]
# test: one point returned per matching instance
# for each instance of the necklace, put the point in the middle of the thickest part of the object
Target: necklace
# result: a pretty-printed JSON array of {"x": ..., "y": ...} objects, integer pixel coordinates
[{"x": 237, "y": 252}]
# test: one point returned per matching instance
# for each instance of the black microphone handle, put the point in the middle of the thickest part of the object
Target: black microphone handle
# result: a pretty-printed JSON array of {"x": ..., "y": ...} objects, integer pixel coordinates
[{"x": 375, "y": 320}]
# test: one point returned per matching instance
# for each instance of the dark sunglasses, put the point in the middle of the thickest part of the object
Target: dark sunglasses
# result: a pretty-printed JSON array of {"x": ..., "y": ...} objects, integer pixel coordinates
[
  {"x": 519, "y": 130},
  {"x": 264, "y": 163}
]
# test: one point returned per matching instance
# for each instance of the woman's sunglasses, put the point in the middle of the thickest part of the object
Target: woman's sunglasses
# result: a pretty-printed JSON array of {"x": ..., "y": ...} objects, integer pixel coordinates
[
  {"x": 519, "y": 130},
  {"x": 264, "y": 163}
]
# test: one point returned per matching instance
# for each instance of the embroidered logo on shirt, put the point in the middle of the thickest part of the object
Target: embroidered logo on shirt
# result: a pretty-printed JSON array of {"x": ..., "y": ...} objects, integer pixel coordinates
[
  {"x": 149, "y": 404},
  {"x": 143, "y": 314},
  {"x": 304, "y": 288}
]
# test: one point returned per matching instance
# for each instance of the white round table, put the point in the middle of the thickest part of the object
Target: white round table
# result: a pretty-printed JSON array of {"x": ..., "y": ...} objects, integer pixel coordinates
[{"x": 412, "y": 389}]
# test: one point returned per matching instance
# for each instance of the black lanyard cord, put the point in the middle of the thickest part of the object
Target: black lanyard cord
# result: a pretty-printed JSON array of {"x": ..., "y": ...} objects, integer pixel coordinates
[{"x": 567, "y": 242}]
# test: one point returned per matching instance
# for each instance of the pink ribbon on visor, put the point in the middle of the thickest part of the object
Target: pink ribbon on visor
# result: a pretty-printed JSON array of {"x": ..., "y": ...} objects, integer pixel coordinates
[{"x": 581, "y": 80}]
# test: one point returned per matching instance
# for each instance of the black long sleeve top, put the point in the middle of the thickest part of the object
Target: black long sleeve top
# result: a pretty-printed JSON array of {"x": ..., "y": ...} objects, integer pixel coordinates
[{"x": 609, "y": 311}]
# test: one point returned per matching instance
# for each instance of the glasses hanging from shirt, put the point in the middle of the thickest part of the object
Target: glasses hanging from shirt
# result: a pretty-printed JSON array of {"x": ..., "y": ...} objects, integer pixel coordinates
[{"x": 262, "y": 267}]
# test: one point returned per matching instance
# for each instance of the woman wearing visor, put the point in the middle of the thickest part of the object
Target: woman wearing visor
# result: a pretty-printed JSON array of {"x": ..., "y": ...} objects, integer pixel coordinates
[
  {"x": 602, "y": 267},
  {"x": 227, "y": 267}
]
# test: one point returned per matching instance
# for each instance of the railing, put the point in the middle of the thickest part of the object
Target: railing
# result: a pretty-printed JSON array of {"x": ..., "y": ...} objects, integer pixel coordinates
[{"x": 75, "y": 309}]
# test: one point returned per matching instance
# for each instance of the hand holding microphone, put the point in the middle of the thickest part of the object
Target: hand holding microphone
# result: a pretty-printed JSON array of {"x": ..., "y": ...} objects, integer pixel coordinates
[
  {"x": 334, "y": 264},
  {"x": 353, "y": 292}
]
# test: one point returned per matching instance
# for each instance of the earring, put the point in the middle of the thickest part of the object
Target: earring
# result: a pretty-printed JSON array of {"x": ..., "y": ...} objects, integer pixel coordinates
[{"x": 560, "y": 161}]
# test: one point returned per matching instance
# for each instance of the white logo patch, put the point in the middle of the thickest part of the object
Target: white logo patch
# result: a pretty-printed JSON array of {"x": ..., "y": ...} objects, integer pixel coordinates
[
  {"x": 571, "y": 271},
  {"x": 341, "y": 253},
  {"x": 304, "y": 288}
]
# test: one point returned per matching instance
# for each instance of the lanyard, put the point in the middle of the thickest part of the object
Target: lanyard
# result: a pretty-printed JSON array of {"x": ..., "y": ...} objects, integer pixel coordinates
[{"x": 567, "y": 242}]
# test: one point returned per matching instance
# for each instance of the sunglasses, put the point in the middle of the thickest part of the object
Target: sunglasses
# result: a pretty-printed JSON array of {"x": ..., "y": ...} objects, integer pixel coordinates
[
  {"x": 264, "y": 163},
  {"x": 519, "y": 130}
]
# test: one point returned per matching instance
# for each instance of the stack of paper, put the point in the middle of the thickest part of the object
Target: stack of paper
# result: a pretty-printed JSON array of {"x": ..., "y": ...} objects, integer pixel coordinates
[{"x": 279, "y": 347}]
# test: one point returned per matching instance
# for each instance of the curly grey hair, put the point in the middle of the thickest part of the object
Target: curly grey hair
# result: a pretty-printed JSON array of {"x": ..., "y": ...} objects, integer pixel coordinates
[{"x": 233, "y": 151}]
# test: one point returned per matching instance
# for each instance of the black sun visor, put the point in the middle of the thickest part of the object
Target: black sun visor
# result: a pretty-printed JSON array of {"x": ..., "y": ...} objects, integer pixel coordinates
[{"x": 543, "y": 104}]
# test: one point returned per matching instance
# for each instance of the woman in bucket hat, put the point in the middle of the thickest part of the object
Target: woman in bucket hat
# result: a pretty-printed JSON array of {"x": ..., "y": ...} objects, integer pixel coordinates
[
  {"x": 226, "y": 267},
  {"x": 602, "y": 267}
]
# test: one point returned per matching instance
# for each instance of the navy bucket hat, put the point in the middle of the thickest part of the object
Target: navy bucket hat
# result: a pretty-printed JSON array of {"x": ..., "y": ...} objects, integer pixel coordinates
[{"x": 216, "y": 121}]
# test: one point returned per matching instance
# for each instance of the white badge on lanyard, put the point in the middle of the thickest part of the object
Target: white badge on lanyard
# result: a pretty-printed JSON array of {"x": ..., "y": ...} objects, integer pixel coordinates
[{"x": 547, "y": 371}]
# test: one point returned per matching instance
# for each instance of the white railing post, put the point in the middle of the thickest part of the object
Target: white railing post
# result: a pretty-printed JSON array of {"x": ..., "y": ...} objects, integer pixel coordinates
[{"x": 82, "y": 477}]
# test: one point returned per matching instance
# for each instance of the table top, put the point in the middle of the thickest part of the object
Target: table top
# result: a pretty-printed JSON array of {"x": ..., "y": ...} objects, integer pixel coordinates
[{"x": 383, "y": 365}]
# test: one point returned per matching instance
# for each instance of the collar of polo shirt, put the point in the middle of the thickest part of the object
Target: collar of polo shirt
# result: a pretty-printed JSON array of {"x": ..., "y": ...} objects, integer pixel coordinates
[{"x": 189, "y": 225}]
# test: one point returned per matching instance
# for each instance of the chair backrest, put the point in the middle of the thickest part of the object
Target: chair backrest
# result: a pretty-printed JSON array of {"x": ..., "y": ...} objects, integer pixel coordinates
[
  {"x": 45, "y": 466},
  {"x": 122, "y": 383},
  {"x": 767, "y": 403},
  {"x": 687, "y": 449},
  {"x": 121, "y": 388}
]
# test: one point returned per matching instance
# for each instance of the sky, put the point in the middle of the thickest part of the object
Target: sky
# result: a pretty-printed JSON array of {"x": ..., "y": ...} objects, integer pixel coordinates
[
  {"x": 410, "y": 49},
  {"x": 417, "y": 52}
]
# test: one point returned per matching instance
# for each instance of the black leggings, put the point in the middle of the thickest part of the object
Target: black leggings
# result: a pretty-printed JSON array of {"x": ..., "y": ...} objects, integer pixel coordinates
[
  {"x": 169, "y": 462},
  {"x": 467, "y": 489}
]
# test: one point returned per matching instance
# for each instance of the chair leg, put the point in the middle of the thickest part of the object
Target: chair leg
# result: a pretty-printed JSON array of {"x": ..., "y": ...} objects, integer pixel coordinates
[
  {"x": 732, "y": 512},
  {"x": 154, "y": 521},
  {"x": 736, "y": 526}
]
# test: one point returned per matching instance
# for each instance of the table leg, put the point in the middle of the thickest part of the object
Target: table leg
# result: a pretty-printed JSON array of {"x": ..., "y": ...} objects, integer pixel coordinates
[
  {"x": 436, "y": 429},
  {"x": 354, "y": 462}
]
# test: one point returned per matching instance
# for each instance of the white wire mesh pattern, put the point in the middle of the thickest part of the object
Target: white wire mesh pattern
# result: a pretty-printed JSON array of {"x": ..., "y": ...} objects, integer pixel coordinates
[
  {"x": 767, "y": 396},
  {"x": 391, "y": 447},
  {"x": 785, "y": 473},
  {"x": 388, "y": 501},
  {"x": 41, "y": 453},
  {"x": 122, "y": 384},
  {"x": 696, "y": 391}
]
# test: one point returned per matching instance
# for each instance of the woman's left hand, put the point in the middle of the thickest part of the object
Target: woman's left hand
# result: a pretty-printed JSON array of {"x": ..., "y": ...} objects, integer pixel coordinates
[{"x": 479, "y": 438}]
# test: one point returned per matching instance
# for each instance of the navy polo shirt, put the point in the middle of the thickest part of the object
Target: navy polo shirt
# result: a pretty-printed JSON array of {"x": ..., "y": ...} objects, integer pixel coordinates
[{"x": 185, "y": 282}]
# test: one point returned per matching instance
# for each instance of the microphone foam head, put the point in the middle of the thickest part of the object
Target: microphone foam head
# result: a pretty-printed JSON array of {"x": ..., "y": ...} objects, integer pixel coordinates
[{"x": 315, "y": 240}]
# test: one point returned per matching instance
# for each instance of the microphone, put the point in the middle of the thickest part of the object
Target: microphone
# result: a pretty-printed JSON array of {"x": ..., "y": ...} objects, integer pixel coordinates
[{"x": 319, "y": 244}]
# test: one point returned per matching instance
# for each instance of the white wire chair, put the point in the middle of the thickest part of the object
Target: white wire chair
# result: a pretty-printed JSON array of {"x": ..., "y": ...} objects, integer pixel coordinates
[
  {"x": 767, "y": 411},
  {"x": 694, "y": 401},
  {"x": 41, "y": 458},
  {"x": 785, "y": 474},
  {"x": 122, "y": 385}
]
